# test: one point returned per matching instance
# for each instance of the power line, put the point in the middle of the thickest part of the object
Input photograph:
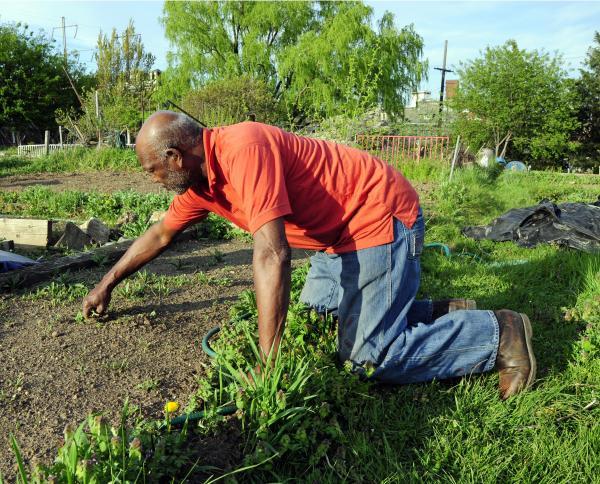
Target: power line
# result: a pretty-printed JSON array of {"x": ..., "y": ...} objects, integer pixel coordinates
[
  {"x": 64, "y": 35},
  {"x": 444, "y": 70}
]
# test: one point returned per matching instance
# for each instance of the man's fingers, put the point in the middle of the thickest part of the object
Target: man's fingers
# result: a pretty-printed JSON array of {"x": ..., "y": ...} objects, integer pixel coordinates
[
  {"x": 86, "y": 309},
  {"x": 100, "y": 308}
]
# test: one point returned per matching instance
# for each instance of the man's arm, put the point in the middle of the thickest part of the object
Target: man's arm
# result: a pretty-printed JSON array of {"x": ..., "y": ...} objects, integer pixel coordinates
[
  {"x": 272, "y": 274},
  {"x": 145, "y": 248}
]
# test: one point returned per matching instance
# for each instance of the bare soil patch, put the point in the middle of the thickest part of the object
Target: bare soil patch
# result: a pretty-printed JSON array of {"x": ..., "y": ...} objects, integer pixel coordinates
[
  {"x": 56, "y": 371},
  {"x": 100, "y": 181}
]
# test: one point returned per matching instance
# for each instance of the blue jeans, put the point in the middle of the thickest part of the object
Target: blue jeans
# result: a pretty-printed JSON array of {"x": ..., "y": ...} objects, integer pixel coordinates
[{"x": 382, "y": 325}]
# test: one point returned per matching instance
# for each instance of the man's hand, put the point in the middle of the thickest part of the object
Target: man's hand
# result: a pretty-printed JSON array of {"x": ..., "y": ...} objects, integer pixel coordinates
[
  {"x": 97, "y": 300},
  {"x": 149, "y": 245}
]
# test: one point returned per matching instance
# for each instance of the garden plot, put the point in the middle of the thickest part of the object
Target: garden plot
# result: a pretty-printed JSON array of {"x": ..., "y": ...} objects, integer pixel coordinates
[
  {"x": 101, "y": 181},
  {"x": 57, "y": 367}
]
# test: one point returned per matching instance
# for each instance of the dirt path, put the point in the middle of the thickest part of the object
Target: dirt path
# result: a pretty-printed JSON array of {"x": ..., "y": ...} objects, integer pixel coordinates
[
  {"x": 55, "y": 370},
  {"x": 102, "y": 181}
]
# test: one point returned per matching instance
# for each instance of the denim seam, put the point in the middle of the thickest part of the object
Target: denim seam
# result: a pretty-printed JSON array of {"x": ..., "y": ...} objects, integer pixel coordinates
[
  {"x": 442, "y": 353},
  {"x": 496, "y": 341}
]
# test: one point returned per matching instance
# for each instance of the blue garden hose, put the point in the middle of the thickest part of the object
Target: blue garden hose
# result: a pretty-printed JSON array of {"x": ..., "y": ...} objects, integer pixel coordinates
[
  {"x": 194, "y": 416},
  {"x": 444, "y": 247},
  {"x": 205, "y": 346}
]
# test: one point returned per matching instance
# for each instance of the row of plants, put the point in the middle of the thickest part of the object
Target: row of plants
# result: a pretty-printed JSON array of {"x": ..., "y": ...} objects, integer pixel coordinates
[
  {"x": 133, "y": 208},
  {"x": 308, "y": 417}
]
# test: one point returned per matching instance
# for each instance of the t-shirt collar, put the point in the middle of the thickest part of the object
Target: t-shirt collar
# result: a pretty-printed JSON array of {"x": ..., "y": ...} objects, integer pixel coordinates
[{"x": 208, "y": 139}]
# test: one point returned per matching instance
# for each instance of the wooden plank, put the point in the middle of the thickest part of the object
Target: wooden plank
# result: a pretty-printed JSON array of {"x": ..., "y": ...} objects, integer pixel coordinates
[
  {"x": 24, "y": 231},
  {"x": 107, "y": 254}
]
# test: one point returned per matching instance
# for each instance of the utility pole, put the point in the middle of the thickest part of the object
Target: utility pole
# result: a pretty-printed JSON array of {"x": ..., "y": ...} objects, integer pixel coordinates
[
  {"x": 444, "y": 70},
  {"x": 64, "y": 28}
]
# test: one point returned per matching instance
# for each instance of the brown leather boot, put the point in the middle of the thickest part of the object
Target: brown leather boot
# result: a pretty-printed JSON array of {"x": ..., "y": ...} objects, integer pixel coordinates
[
  {"x": 445, "y": 306},
  {"x": 515, "y": 361}
]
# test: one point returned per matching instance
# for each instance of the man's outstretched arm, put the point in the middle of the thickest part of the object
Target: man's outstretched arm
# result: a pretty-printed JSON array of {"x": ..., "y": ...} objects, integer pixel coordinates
[
  {"x": 145, "y": 248},
  {"x": 272, "y": 274}
]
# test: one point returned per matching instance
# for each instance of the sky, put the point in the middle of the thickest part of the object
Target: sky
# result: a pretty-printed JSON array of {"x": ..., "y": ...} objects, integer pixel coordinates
[{"x": 566, "y": 27}]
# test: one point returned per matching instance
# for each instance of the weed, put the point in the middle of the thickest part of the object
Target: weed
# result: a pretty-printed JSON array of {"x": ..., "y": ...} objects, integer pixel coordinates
[
  {"x": 59, "y": 292},
  {"x": 217, "y": 256},
  {"x": 147, "y": 385}
]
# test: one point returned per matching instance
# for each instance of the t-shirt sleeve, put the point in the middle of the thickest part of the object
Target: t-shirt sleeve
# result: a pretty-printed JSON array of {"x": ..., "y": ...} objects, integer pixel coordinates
[
  {"x": 256, "y": 173},
  {"x": 185, "y": 210}
]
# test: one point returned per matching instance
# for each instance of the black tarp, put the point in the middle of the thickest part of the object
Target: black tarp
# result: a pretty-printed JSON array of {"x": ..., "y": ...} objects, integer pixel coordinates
[{"x": 570, "y": 224}]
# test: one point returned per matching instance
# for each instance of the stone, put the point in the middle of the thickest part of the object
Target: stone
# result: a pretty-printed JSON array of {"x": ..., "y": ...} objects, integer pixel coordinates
[
  {"x": 7, "y": 245},
  {"x": 73, "y": 238},
  {"x": 99, "y": 232}
]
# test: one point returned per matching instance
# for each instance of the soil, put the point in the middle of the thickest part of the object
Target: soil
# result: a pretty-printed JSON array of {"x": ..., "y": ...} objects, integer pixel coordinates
[
  {"x": 56, "y": 371},
  {"x": 100, "y": 181}
]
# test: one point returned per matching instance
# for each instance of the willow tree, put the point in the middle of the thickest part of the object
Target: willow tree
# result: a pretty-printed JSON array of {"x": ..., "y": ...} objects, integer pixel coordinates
[{"x": 320, "y": 58}]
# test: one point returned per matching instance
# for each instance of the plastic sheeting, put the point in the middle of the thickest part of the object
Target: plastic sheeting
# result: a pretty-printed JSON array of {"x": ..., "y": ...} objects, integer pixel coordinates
[
  {"x": 571, "y": 224},
  {"x": 10, "y": 261}
]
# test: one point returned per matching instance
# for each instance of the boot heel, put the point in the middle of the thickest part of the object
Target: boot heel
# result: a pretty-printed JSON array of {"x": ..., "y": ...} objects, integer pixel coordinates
[{"x": 532, "y": 362}]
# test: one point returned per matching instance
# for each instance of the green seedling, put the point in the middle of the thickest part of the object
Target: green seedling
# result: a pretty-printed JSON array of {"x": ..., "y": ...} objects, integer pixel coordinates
[
  {"x": 147, "y": 385},
  {"x": 217, "y": 256}
]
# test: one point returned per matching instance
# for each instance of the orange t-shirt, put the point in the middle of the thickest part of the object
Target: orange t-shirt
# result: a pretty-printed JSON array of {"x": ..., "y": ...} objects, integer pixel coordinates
[{"x": 331, "y": 197}]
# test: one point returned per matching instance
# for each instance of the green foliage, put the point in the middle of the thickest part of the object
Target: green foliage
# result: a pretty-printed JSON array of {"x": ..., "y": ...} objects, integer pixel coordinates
[
  {"x": 232, "y": 101},
  {"x": 588, "y": 88},
  {"x": 345, "y": 67},
  {"x": 96, "y": 452},
  {"x": 516, "y": 101},
  {"x": 73, "y": 160},
  {"x": 43, "y": 202},
  {"x": 124, "y": 86},
  {"x": 32, "y": 81},
  {"x": 318, "y": 58}
]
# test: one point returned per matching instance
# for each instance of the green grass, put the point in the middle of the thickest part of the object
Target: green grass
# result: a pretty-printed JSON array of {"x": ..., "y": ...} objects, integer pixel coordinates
[
  {"x": 310, "y": 419},
  {"x": 77, "y": 159}
]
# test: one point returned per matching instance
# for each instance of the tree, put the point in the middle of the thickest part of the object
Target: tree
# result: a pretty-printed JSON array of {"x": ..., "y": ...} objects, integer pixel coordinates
[
  {"x": 588, "y": 88},
  {"x": 124, "y": 83},
  {"x": 519, "y": 102},
  {"x": 32, "y": 80},
  {"x": 231, "y": 101},
  {"x": 320, "y": 58}
]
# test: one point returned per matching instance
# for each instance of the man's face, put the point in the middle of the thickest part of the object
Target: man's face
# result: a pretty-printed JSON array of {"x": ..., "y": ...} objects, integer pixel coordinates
[
  {"x": 177, "y": 181},
  {"x": 172, "y": 179}
]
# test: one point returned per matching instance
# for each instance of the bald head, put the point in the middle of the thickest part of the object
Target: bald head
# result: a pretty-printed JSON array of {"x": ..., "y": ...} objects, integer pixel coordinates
[
  {"x": 164, "y": 130},
  {"x": 169, "y": 146}
]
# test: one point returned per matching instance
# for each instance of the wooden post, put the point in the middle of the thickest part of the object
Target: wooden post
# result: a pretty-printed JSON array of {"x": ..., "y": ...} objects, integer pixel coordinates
[
  {"x": 455, "y": 156},
  {"x": 97, "y": 117},
  {"x": 14, "y": 138},
  {"x": 46, "y": 142},
  {"x": 60, "y": 135}
]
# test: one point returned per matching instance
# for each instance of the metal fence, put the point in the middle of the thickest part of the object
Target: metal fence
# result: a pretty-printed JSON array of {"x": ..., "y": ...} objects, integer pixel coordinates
[
  {"x": 395, "y": 149},
  {"x": 40, "y": 150}
]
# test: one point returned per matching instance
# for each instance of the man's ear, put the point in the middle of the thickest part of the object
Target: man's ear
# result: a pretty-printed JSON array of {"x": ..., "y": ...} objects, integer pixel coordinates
[{"x": 174, "y": 158}]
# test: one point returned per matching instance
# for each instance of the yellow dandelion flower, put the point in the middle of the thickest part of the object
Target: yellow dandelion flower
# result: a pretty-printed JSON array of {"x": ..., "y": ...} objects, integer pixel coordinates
[{"x": 171, "y": 407}]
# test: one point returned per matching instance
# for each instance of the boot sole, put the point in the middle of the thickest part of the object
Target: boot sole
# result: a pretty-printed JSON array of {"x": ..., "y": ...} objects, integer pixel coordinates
[{"x": 532, "y": 362}]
